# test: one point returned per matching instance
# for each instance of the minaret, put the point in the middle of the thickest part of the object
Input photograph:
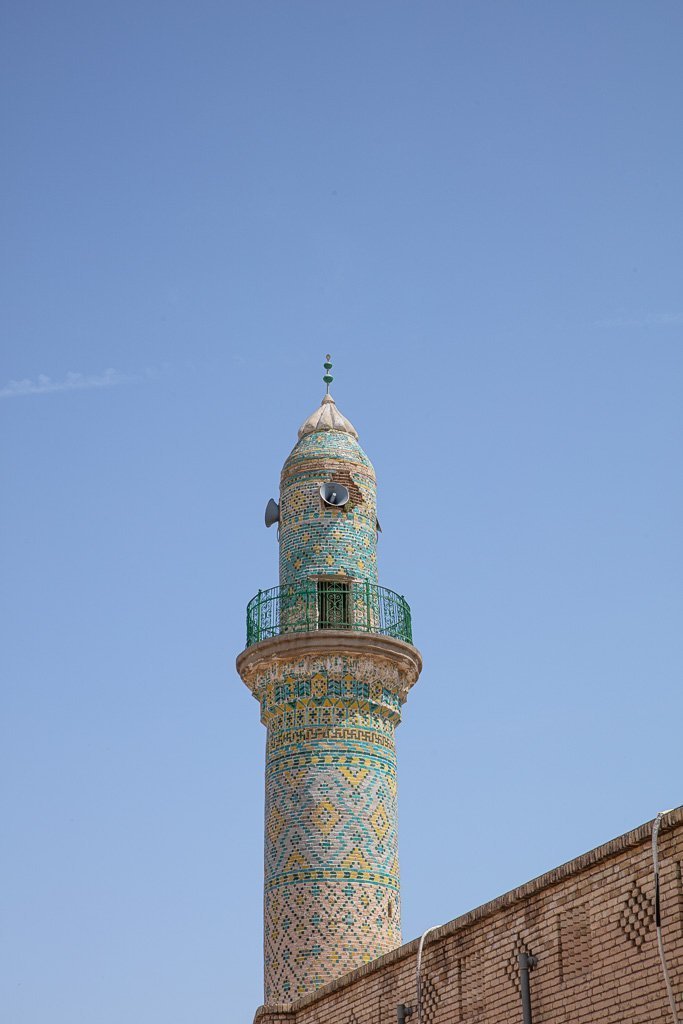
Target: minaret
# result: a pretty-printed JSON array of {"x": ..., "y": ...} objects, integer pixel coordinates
[{"x": 330, "y": 659}]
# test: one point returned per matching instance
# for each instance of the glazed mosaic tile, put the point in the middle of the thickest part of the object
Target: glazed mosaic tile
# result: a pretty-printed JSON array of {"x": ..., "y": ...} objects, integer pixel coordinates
[{"x": 332, "y": 891}]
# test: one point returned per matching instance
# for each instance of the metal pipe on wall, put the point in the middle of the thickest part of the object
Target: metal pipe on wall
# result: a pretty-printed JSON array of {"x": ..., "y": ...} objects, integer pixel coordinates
[
  {"x": 526, "y": 962},
  {"x": 403, "y": 1012}
]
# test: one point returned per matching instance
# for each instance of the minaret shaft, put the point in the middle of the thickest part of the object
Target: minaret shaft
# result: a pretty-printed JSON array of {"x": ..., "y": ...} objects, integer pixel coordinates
[
  {"x": 331, "y": 842},
  {"x": 331, "y": 702}
]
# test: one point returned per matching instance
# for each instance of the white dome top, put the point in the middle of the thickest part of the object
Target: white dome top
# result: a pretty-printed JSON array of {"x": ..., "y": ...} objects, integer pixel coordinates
[{"x": 327, "y": 417}]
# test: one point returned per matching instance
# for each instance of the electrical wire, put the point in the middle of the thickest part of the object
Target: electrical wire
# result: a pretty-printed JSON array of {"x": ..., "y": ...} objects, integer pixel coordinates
[
  {"x": 418, "y": 976},
  {"x": 658, "y": 917}
]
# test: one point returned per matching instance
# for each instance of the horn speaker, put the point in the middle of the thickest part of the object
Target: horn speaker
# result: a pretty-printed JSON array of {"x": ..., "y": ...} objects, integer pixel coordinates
[
  {"x": 272, "y": 512},
  {"x": 334, "y": 494}
]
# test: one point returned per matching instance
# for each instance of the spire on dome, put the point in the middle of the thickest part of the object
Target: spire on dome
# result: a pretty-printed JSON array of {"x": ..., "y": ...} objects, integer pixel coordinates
[
  {"x": 327, "y": 416},
  {"x": 328, "y": 378}
]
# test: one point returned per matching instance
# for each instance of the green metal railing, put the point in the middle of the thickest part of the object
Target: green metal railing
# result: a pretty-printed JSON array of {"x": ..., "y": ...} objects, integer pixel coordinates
[{"x": 328, "y": 604}]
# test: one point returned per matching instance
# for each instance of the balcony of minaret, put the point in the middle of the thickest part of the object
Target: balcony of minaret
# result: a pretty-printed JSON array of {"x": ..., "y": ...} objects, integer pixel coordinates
[{"x": 328, "y": 604}]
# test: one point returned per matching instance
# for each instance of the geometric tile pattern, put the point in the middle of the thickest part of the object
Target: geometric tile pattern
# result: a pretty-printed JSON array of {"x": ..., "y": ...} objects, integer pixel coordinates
[
  {"x": 512, "y": 963},
  {"x": 331, "y": 854},
  {"x": 315, "y": 539},
  {"x": 472, "y": 990},
  {"x": 637, "y": 916},
  {"x": 331, "y": 900},
  {"x": 429, "y": 999},
  {"x": 574, "y": 943}
]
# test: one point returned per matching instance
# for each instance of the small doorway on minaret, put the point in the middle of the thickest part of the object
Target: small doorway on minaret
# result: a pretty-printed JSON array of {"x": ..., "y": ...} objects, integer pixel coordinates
[{"x": 334, "y": 606}]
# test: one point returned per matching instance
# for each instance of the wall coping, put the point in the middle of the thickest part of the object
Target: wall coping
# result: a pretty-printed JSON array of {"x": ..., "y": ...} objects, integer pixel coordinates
[{"x": 613, "y": 848}]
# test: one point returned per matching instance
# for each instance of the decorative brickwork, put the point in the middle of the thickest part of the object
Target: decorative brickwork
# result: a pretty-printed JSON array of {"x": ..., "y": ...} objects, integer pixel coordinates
[
  {"x": 637, "y": 916},
  {"x": 589, "y": 922},
  {"x": 330, "y": 676},
  {"x": 332, "y": 894}
]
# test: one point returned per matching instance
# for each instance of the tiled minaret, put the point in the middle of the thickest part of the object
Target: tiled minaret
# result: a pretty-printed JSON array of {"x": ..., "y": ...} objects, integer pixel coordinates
[{"x": 330, "y": 659}]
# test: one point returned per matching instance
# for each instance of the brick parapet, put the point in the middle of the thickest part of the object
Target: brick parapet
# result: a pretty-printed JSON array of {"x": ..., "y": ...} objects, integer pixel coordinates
[{"x": 590, "y": 921}]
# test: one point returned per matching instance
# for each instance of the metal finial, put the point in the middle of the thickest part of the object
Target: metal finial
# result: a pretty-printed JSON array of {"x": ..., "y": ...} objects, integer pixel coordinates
[{"x": 328, "y": 378}]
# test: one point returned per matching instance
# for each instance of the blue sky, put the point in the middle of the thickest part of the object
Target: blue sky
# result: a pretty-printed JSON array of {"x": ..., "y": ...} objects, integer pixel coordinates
[{"x": 477, "y": 209}]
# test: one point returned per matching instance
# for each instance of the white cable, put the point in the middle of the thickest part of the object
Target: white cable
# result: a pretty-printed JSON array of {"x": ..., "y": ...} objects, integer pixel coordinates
[
  {"x": 658, "y": 920},
  {"x": 418, "y": 979}
]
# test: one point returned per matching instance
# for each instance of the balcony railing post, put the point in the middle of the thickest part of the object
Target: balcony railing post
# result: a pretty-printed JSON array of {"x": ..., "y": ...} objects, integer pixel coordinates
[
  {"x": 258, "y": 616},
  {"x": 367, "y": 605},
  {"x": 408, "y": 625}
]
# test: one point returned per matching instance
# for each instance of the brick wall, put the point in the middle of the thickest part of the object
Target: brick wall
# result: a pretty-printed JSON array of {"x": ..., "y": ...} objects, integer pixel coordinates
[{"x": 590, "y": 923}]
